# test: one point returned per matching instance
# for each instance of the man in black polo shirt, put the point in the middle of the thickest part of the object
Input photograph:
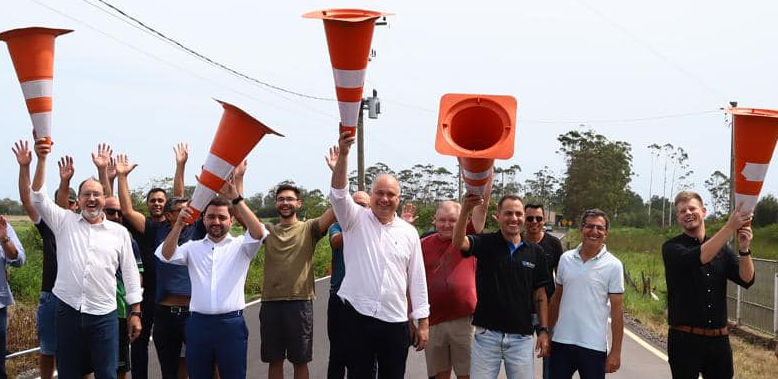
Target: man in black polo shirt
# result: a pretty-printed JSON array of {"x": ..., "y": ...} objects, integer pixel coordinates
[
  {"x": 696, "y": 271},
  {"x": 511, "y": 276}
]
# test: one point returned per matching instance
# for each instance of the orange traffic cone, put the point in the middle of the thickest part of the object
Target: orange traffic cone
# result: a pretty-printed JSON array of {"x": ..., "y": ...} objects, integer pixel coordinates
[
  {"x": 477, "y": 129},
  {"x": 756, "y": 133},
  {"x": 349, "y": 33},
  {"x": 32, "y": 53},
  {"x": 236, "y": 136}
]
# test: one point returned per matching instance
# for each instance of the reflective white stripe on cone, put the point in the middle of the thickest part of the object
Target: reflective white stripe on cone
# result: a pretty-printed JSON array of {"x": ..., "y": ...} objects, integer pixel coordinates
[
  {"x": 755, "y": 172},
  {"x": 218, "y": 166},
  {"x": 34, "y": 89},
  {"x": 349, "y": 112},
  {"x": 478, "y": 190},
  {"x": 748, "y": 201},
  {"x": 41, "y": 124},
  {"x": 349, "y": 78},
  {"x": 201, "y": 197},
  {"x": 476, "y": 175}
]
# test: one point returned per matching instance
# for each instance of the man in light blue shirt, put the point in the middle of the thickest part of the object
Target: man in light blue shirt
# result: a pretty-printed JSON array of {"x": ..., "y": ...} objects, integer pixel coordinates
[{"x": 13, "y": 255}]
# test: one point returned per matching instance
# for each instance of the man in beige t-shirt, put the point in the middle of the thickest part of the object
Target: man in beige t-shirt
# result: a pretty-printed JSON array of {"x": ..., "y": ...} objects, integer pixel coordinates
[{"x": 286, "y": 315}]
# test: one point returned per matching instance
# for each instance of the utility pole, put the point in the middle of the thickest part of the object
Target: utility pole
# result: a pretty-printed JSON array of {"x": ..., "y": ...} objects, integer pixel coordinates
[
  {"x": 373, "y": 107},
  {"x": 732, "y": 104}
]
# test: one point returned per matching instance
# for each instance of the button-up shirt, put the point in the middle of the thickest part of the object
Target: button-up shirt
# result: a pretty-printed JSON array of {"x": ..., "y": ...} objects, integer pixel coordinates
[
  {"x": 6, "y": 298},
  {"x": 696, "y": 292},
  {"x": 217, "y": 271},
  {"x": 88, "y": 256},
  {"x": 382, "y": 261}
]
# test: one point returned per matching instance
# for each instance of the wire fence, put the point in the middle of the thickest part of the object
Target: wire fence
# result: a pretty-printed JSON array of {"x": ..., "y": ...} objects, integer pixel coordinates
[{"x": 757, "y": 307}]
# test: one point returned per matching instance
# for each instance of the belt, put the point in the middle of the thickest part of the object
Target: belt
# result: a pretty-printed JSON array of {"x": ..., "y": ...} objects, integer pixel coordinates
[
  {"x": 232, "y": 314},
  {"x": 175, "y": 310},
  {"x": 702, "y": 331}
]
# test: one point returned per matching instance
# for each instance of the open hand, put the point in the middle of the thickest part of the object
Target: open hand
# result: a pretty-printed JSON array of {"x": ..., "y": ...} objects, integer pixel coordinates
[
  {"x": 66, "y": 169},
  {"x": 103, "y": 156},
  {"x": 22, "y": 152}
]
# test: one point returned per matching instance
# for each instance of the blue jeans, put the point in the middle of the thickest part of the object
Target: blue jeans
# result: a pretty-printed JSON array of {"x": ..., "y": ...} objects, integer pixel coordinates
[
  {"x": 47, "y": 322},
  {"x": 217, "y": 340},
  {"x": 491, "y": 348},
  {"x": 3, "y": 329},
  {"x": 85, "y": 341}
]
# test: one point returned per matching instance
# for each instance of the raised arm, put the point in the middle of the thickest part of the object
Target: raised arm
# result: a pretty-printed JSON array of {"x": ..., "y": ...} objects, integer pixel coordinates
[
  {"x": 123, "y": 168},
  {"x": 737, "y": 220},
  {"x": 469, "y": 202},
  {"x": 181, "y": 151},
  {"x": 170, "y": 244},
  {"x": 746, "y": 264},
  {"x": 23, "y": 155},
  {"x": 42, "y": 150},
  {"x": 480, "y": 211},
  {"x": 250, "y": 220},
  {"x": 340, "y": 170},
  {"x": 102, "y": 159},
  {"x": 66, "y": 171}
]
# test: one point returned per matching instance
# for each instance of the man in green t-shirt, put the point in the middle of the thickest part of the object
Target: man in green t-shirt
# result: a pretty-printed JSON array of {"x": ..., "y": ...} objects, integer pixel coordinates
[{"x": 286, "y": 315}]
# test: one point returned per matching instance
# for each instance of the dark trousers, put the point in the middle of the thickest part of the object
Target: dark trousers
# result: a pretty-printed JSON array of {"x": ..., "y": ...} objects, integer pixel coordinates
[
  {"x": 336, "y": 331},
  {"x": 85, "y": 340},
  {"x": 217, "y": 340},
  {"x": 370, "y": 339},
  {"x": 3, "y": 330},
  {"x": 691, "y": 354},
  {"x": 567, "y": 359},
  {"x": 169, "y": 336},
  {"x": 139, "y": 352}
]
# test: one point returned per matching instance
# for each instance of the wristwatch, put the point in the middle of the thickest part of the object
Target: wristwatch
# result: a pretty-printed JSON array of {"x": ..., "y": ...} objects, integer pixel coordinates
[
  {"x": 541, "y": 329},
  {"x": 136, "y": 313},
  {"x": 745, "y": 254},
  {"x": 237, "y": 200}
]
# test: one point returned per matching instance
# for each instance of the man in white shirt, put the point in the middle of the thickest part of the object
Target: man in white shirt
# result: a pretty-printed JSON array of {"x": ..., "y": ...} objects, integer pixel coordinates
[
  {"x": 216, "y": 332},
  {"x": 383, "y": 259},
  {"x": 90, "y": 250},
  {"x": 589, "y": 289}
]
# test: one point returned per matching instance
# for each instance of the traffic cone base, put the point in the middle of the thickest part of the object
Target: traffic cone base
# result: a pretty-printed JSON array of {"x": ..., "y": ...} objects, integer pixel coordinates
[
  {"x": 476, "y": 126},
  {"x": 756, "y": 134}
]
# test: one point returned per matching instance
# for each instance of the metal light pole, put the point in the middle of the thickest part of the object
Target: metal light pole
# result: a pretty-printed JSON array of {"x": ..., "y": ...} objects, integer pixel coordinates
[{"x": 373, "y": 107}]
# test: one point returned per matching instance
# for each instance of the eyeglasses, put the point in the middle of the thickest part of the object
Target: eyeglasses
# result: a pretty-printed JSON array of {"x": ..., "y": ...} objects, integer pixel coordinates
[
  {"x": 112, "y": 211},
  {"x": 88, "y": 194},
  {"x": 534, "y": 218},
  {"x": 600, "y": 228},
  {"x": 285, "y": 199}
]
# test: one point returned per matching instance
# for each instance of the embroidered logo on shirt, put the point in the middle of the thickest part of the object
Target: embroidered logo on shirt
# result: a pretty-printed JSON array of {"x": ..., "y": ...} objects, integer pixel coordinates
[{"x": 528, "y": 264}]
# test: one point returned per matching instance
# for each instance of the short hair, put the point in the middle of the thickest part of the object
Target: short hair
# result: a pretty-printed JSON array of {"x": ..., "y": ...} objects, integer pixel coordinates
[
  {"x": 685, "y": 196},
  {"x": 89, "y": 179},
  {"x": 506, "y": 198},
  {"x": 175, "y": 200},
  {"x": 153, "y": 190},
  {"x": 533, "y": 206},
  {"x": 219, "y": 202},
  {"x": 449, "y": 204},
  {"x": 595, "y": 213},
  {"x": 288, "y": 187}
]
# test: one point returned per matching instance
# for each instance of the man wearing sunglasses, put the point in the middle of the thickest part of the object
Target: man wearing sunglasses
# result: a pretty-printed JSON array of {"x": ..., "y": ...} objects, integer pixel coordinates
[
  {"x": 589, "y": 289},
  {"x": 552, "y": 247}
]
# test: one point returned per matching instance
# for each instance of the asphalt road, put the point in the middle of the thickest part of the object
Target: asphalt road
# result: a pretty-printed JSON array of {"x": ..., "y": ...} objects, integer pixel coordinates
[{"x": 637, "y": 362}]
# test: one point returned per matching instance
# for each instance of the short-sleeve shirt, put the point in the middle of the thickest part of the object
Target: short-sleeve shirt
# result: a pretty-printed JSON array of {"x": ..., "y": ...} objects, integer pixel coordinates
[
  {"x": 696, "y": 292},
  {"x": 505, "y": 279},
  {"x": 121, "y": 304},
  {"x": 585, "y": 305},
  {"x": 338, "y": 266},
  {"x": 450, "y": 279},
  {"x": 552, "y": 247},
  {"x": 289, "y": 261},
  {"x": 49, "y": 256}
]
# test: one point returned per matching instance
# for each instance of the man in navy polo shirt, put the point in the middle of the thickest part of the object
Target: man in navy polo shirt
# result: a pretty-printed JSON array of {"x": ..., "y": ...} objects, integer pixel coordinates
[{"x": 511, "y": 275}]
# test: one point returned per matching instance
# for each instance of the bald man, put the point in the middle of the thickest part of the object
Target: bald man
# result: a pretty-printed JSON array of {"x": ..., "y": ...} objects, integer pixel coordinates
[
  {"x": 383, "y": 259},
  {"x": 451, "y": 290}
]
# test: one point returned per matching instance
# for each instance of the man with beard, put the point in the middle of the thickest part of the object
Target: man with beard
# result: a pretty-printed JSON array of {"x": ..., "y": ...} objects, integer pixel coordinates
[
  {"x": 534, "y": 218},
  {"x": 384, "y": 271},
  {"x": 589, "y": 290},
  {"x": 170, "y": 291},
  {"x": 286, "y": 313},
  {"x": 218, "y": 265},
  {"x": 89, "y": 252},
  {"x": 697, "y": 268},
  {"x": 511, "y": 276}
]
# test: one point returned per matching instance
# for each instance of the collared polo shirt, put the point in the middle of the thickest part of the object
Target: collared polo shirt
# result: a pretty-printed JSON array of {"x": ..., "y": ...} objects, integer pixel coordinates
[
  {"x": 383, "y": 263},
  {"x": 88, "y": 256},
  {"x": 505, "y": 282},
  {"x": 217, "y": 270},
  {"x": 696, "y": 292},
  {"x": 585, "y": 305}
]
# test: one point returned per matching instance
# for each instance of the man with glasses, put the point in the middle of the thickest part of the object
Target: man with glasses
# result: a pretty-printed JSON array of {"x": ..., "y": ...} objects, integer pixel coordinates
[
  {"x": 552, "y": 247},
  {"x": 172, "y": 288},
  {"x": 286, "y": 313},
  {"x": 511, "y": 276},
  {"x": 89, "y": 252},
  {"x": 589, "y": 290}
]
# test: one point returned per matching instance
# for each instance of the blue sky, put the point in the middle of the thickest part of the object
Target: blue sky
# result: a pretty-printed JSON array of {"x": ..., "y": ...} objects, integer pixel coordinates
[{"x": 603, "y": 64}]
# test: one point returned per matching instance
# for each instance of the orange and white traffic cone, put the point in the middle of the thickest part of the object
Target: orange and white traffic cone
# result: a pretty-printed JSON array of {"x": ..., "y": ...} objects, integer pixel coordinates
[
  {"x": 349, "y": 34},
  {"x": 477, "y": 129},
  {"x": 236, "y": 136},
  {"x": 756, "y": 133},
  {"x": 32, "y": 53}
]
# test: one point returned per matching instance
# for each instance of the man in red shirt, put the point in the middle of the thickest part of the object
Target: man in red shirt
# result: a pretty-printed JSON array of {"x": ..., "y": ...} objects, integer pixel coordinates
[{"x": 451, "y": 292}]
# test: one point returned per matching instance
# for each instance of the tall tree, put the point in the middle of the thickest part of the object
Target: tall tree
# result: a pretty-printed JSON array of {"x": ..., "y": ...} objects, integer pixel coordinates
[
  {"x": 766, "y": 211},
  {"x": 543, "y": 187},
  {"x": 718, "y": 186},
  {"x": 598, "y": 172}
]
